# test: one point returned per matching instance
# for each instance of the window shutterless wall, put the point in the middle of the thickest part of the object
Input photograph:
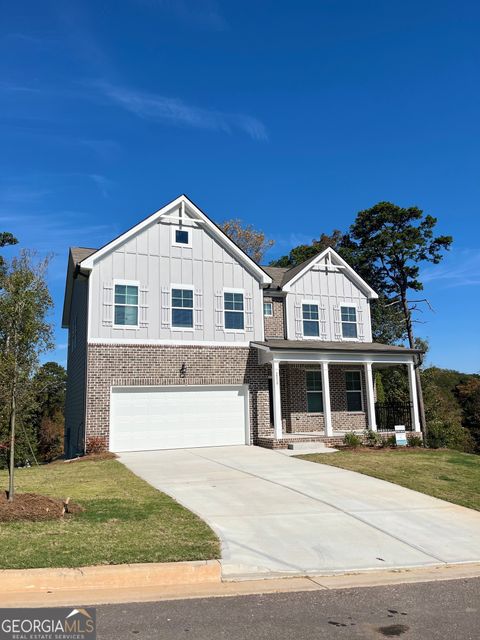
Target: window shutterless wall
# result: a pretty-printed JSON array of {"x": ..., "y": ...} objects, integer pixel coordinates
[
  {"x": 155, "y": 262},
  {"x": 330, "y": 290}
]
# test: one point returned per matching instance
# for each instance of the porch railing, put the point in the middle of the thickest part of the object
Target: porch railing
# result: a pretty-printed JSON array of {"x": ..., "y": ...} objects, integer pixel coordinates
[{"x": 388, "y": 414}]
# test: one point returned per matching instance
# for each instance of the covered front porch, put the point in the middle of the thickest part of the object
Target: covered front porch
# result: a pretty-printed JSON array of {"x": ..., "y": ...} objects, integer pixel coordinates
[{"x": 319, "y": 391}]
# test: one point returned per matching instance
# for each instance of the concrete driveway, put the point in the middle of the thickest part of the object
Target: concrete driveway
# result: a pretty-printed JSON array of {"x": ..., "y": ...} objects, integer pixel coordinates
[{"x": 277, "y": 515}]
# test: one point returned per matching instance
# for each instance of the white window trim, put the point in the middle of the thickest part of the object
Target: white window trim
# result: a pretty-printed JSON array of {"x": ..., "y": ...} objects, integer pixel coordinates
[
  {"x": 312, "y": 303},
  {"x": 359, "y": 371},
  {"x": 130, "y": 283},
  {"x": 314, "y": 413},
  {"x": 346, "y": 305},
  {"x": 230, "y": 290},
  {"x": 177, "y": 227},
  {"x": 192, "y": 289},
  {"x": 268, "y": 315}
]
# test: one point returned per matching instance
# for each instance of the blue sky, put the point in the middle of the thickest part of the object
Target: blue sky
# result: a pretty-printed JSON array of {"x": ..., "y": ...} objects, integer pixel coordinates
[{"x": 292, "y": 116}]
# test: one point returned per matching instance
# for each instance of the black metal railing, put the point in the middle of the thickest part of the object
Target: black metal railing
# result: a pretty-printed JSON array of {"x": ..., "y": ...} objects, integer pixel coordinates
[{"x": 389, "y": 414}]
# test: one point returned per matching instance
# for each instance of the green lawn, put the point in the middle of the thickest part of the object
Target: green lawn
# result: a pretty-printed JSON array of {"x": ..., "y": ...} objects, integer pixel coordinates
[
  {"x": 125, "y": 520},
  {"x": 443, "y": 473}
]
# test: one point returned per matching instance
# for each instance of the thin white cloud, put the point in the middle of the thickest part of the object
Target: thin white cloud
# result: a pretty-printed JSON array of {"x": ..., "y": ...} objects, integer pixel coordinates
[
  {"x": 202, "y": 14},
  {"x": 22, "y": 193},
  {"x": 458, "y": 269},
  {"x": 104, "y": 184},
  {"x": 173, "y": 110}
]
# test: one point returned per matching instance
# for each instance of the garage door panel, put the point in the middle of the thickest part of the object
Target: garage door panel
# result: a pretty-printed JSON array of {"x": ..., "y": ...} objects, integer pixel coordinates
[{"x": 168, "y": 418}]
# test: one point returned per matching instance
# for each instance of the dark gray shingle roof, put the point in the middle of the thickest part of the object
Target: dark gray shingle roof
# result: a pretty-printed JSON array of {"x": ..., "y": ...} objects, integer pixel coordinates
[
  {"x": 81, "y": 253},
  {"x": 282, "y": 275},
  {"x": 276, "y": 274},
  {"x": 321, "y": 345}
]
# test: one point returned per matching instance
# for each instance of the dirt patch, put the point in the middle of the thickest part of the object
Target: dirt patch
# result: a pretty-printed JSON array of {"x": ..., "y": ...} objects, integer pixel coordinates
[
  {"x": 33, "y": 507},
  {"x": 94, "y": 457}
]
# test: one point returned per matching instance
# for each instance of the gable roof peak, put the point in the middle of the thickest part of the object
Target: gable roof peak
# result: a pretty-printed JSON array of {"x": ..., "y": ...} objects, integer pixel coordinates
[
  {"x": 295, "y": 273},
  {"x": 194, "y": 212}
]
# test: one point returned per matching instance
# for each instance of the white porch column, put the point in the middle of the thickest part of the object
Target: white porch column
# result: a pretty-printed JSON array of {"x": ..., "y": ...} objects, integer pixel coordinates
[
  {"x": 372, "y": 420},
  {"x": 327, "y": 411},
  {"x": 277, "y": 405},
  {"x": 412, "y": 383}
]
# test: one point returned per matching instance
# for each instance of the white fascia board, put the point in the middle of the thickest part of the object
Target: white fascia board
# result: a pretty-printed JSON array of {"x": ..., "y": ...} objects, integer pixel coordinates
[
  {"x": 181, "y": 201},
  {"x": 371, "y": 294},
  {"x": 339, "y": 358}
]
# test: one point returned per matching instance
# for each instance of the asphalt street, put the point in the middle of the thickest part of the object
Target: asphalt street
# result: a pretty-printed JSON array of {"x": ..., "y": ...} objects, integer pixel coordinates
[{"x": 448, "y": 610}]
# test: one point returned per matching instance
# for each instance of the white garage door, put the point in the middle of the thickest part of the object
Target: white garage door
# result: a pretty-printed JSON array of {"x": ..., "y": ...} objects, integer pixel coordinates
[{"x": 145, "y": 418}]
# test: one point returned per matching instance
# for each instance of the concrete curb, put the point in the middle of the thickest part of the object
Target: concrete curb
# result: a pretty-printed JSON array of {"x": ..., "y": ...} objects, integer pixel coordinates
[
  {"x": 215, "y": 589},
  {"x": 110, "y": 576}
]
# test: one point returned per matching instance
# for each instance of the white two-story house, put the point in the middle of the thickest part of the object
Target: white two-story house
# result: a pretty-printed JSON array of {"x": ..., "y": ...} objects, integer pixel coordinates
[{"x": 178, "y": 339}]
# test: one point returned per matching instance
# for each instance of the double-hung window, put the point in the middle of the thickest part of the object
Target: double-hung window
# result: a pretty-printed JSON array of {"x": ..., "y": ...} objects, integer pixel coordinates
[
  {"x": 234, "y": 311},
  {"x": 126, "y": 305},
  {"x": 349, "y": 322},
  {"x": 314, "y": 392},
  {"x": 182, "y": 308},
  {"x": 353, "y": 383},
  {"x": 311, "y": 328},
  {"x": 268, "y": 309}
]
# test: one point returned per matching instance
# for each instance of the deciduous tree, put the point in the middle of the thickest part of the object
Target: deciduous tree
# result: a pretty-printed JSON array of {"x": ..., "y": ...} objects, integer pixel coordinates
[
  {"x": 249, "y": 239},
  {"x": 24, "y": 334}
]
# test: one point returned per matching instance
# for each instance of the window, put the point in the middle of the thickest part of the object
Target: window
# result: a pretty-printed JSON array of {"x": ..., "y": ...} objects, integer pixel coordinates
[
  {"x": 233, "y": 305},
  {"x": 181, "y": 236},
  {"x": 310, "y": 320},
  {"x": 353, "y": 383},
  {"x": 349, "y": 322},
  {"x": 126, "y": 305},
  {"x": 268, "y": 309},
  {"x": 314, "y": 392},
  {"x": 182, "y": 308}
]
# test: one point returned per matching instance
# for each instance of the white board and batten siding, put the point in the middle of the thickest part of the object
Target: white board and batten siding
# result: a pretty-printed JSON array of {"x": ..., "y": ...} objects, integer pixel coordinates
[
  {"x": 149, "y": 418},
  {"x": 330, "y": 289},
  {"x": 151, "y": 260}
]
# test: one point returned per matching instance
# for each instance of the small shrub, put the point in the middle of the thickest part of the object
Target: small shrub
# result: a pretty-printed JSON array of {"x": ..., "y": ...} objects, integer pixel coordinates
[
  {"x": 390, "y": 441},
  {"x": 50, "y": 437},
  {"x": 351, "y": 439},
  {"x": 444, "y": 434},
  {"x": 415, "y": 441},
  {"x": 96, "y": 444},
  {"x": 372, "y": 438}
]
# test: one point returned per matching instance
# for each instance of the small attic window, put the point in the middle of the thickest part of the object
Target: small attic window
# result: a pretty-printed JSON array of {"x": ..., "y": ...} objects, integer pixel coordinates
[{"x": 181, "y": 238}]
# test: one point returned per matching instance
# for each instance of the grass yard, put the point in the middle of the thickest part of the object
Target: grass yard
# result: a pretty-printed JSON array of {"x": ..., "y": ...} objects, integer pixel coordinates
[
  {"x": 125, "y": 520},
  {"x": 443, "y": 473}
]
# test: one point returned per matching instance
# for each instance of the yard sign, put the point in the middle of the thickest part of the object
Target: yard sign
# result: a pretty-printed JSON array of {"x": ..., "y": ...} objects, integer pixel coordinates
[{"x": 400, "y": 435}]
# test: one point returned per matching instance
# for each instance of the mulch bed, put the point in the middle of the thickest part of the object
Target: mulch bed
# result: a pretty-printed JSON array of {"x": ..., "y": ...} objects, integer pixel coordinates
[{"x": 33, "y": 507}]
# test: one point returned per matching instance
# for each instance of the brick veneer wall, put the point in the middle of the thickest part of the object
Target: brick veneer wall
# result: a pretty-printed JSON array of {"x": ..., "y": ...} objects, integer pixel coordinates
[
  {"x": 294, "y": 400},
  {"x": 136, "y": 365},
  {"x": 274, "y": 325}
]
